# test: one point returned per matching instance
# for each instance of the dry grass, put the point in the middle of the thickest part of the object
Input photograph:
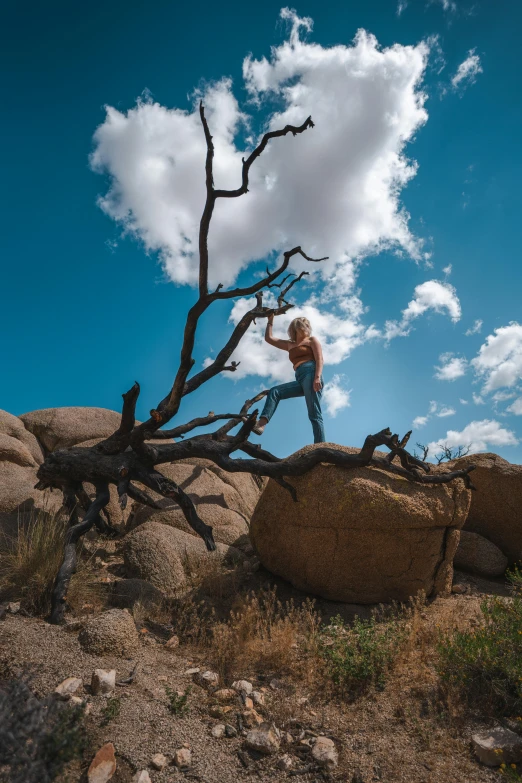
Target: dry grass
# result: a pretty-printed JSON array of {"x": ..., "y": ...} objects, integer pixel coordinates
[
  {"x": 30, "y": 561},
  {"x": 263, "y": 634}
]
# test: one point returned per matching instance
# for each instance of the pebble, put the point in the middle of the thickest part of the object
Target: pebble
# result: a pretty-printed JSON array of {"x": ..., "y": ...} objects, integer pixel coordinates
[
  {"x": 230, "y": 731},
  {"x": 141, "y": 777},
  {"x": 458, "y": 589},
  {"x": 103, "y": 765},
  {"x": 103, "y": 681},
  {"x": 189, "y": 672},
  {"x": 251, "y": 718},
  {"x": 285, "y": 763},
  {"x": 218, "y": 730},
  {"x": 325, "y": 752},
  {"x": 183, "y": 758},
  {"x": 263, "y": 739},
  {"x": 243, "y": 686},
  {"x": 159, "y": 761},
  {"x": 172, "y": 643},
  {"x": 225, "y": 694},
  {"x": 497, "y": 746},
  {"x": 68, "y": 687},
  {"x": 258, "y": 698},
  {"x": 208, "y": 680},
  {"x": 13, "y": 607}
]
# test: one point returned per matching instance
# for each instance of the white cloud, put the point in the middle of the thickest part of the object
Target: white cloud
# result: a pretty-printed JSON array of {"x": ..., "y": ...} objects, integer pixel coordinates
[
  {"x": 431, "y": 295},
  {"x": 478, "y": 400},
  {"x": 463, "y": 402},
  {"x": 479, "y": 435},
  {"x": 332, "y": 197},
  {"x": 335, "y": 397},
  {"x": 447, "y": 270},
  {"x": 448, "y": 5},
  {"x": 516, "y": 407},
  {"x": 452, "y": 367},
  {"x": 420, "y": 421},
  {"x": 467, "y": 71},
  {"x": 475, "y": 329},
  {"x": 499, "y": 360},
  {"x": 401, "y": 6},
  {"x": 446, "y": 411}
]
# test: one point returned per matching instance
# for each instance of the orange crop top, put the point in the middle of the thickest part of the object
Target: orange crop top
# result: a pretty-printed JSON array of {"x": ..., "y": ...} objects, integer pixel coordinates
[{"x": 301, "y": 353}]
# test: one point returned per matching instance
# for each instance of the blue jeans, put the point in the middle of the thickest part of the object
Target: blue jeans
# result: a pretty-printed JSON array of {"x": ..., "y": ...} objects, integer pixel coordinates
[{"x": 303, "y": 386}]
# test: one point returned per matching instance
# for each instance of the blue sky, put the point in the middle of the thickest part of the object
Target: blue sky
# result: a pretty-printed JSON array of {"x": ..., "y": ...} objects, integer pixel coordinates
[{"x": 92, "y": 298}]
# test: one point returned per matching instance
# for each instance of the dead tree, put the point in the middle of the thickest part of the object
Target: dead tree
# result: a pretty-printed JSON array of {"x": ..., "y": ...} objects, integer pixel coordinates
[{"x": 129, "y": 461}]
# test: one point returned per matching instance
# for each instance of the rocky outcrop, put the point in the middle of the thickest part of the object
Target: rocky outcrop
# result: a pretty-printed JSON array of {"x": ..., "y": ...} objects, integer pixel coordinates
[
  {"x": 13, "y": 427},
  {"x": 361, "y": 535},
  {"x": 113, "y": 633},
  {"x": 496, "y": 506},
  {"x": 163, "y": 556},
  {"x": 60, "y": 428},
  {"x": 225, "y": 501},
  {"x": 479, "y": 556}
]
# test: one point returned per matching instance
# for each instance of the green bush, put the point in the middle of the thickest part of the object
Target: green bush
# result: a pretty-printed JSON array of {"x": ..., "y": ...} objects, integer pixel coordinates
[
  {"x": 358, "y": 656},
  {"x": 484, "y": 666},
  {"x": 38, "y": 737},
  {"x": 178, "y": 702}
]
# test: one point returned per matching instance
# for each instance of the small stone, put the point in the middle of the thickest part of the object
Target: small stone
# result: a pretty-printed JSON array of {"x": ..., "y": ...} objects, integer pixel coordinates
[
  {"x": 172, "y": 643},
  {"x": 263, "y": 739},
  {"x": 159, "y": 761},
  {"x": 325, "y": 752},
  {"x": 251, "y": 718},
  {"x": 13, "y": 607},
  {"x": 258, "y": 698},
  {"x": 141, "y": 777},
  {"x": 192, "y": 671},
  {"x": 230, "y": 731},
  {"x": 68, "y": 687},
  {"x": 243, "y": 686},
  {"x": 77, "y": 701},
  {"x": 498, "y": 746},
  {"x": 287, "y": 737},
  {"x": 218, "y": 730},
  {"x": 103, "y": 765},
  {"x": 302, "y": 701},
  {"x": 225, "y": 694},
  {"x": 249, "y": 704},
  {"x": 458, "y": 589},
  {"x": 208, "y": 680},
  {"x": 183, "y": 758},
  {"x": 163, "y": 678},
  {"x": 103, "y": 681},
  {"x": 276, "y": 684},
  {"x": 285, "y": 763}
]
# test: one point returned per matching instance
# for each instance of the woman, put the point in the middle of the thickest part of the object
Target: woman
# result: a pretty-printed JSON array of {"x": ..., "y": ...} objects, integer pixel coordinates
[{"x": 307, "y": 359}]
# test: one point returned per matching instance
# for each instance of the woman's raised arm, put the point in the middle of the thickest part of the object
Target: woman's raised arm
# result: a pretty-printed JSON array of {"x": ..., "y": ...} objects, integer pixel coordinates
[
  {"x": 285, "y": 345},
  {"x": 318, "y": 356}
]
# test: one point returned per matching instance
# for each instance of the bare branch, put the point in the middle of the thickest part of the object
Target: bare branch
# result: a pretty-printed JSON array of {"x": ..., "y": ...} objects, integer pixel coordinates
[{"x": 257, "y": 152}]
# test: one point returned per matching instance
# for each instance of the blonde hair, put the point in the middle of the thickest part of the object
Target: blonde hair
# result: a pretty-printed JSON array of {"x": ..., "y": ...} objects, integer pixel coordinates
[{"x": 302, "y": 324}]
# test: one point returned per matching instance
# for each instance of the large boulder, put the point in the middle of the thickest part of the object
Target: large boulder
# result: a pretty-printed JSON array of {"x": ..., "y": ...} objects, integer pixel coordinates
[
  {"x": 60, "y": 428},
  {"x": 479, "y": 556},
  {"x": 13, "y": 427},
  {"x": 225, "y": 501},
  {"x": 112, "y": 632},
  {"x": 496, "y": 506},
  {"x": 163, "y": 555},
  {"x": 360, "y": 535},
  {"x": 19, "y": 500}
]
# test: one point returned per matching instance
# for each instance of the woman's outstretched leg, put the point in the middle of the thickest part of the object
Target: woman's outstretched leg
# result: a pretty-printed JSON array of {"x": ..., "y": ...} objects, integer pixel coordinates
[
  {"x": 313, "y": 401},
  {"x": 277, "y": 393}
]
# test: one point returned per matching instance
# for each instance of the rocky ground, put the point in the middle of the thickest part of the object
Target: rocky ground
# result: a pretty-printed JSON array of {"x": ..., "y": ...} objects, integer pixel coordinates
[{"x": 402, "y": 733}]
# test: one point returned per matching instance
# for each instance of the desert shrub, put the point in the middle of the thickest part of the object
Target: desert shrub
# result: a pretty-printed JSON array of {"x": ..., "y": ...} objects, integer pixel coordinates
[
  {"x": 39, "y": 736},
  {"x": 178, "y": 702},
  {"x": 262, "y": 633},
  {"x": 30, "y": 561},
  {"x": 110, "y": 711},
  {"x": 360, "y": 655},
  {"x": 483, "y": 666}
]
